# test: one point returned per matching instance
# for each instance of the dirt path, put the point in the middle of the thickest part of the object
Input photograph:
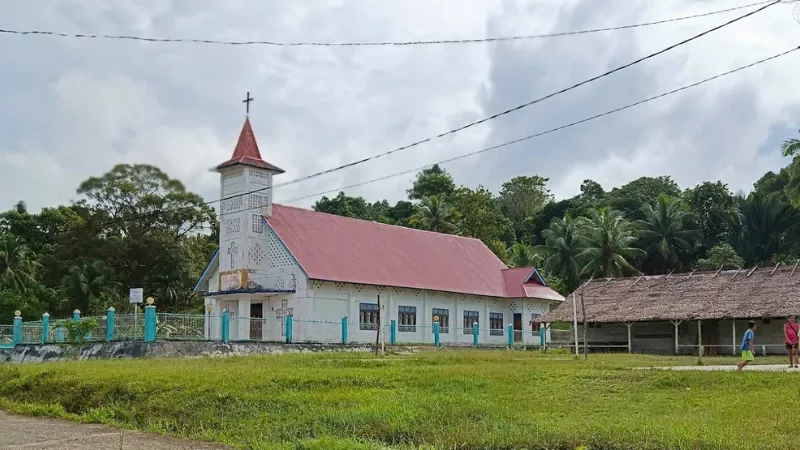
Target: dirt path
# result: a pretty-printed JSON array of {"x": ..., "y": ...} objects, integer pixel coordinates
[
  {"x": 728, "y": 368},
  {"x": 19, "y": 432}
]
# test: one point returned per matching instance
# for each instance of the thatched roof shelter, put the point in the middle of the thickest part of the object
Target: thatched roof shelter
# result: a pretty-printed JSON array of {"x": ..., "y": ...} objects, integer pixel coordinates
[{"x": 735, "y": 294}]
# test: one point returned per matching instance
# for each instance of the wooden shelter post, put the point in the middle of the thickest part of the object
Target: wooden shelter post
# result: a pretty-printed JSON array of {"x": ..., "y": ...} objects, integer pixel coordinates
[
  {"x": 575, "y": 323},
  {"x": 733, "y": 343},
  {"x": 630, "y": 341},
  {"x": 676, "y": 323},
  {"x": 700, "y": 338}
]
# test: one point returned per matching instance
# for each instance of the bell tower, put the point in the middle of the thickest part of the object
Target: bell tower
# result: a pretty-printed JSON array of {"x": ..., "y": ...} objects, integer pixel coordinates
[{"x": 246, "y": 193}]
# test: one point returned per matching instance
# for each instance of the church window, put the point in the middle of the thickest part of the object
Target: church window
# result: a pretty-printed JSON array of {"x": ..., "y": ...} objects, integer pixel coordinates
[
  {"x": 232, "y": 204},
  {"x": 368, "y": 317},
  {"x": 535, "y": 326},
  {"x": 444, "y": 319},
  {"x": 470, "y": 317},
  {"x": 257, "y": 201},
  {"x": 495, "y": 324},
  {"x": 258, "y": 224},
  {"x": 233, "y": 225},
  {"x": 407, "y": 316}
]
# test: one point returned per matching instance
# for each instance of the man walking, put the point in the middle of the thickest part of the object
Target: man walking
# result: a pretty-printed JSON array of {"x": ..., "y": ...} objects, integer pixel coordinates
[
  {"x": 747, "y": 345},
  {"x": 790, "y": 337}
]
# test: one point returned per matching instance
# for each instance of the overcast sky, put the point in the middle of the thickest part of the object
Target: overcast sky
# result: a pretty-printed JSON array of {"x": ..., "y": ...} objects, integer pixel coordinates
[{"x": 73, "y": 108}]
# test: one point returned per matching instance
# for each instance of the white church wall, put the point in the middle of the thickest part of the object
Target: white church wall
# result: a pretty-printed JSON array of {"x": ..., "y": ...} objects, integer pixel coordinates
[{"x": 331, "y": 301}]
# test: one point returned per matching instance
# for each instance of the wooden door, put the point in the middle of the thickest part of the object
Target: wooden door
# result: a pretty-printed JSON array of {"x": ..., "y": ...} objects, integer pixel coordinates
[
  {"x": 517, "y": 327},
  {"x": 256, "y": 321}
]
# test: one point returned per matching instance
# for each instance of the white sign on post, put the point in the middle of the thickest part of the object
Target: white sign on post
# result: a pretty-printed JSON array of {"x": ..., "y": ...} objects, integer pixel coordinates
[{"x": 136, "y": 295}]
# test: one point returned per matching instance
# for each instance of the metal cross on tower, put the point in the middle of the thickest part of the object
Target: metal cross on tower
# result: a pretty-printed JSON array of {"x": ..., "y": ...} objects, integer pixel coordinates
[{"x": 247, "y": 102}]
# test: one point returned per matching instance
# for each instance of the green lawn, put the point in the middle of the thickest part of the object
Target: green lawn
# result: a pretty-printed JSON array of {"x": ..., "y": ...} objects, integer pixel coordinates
[{"x": 436, "y": 399}]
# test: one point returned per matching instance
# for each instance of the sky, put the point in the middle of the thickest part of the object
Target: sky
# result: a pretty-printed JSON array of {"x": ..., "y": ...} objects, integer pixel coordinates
[{"x": 73, "y": 108}]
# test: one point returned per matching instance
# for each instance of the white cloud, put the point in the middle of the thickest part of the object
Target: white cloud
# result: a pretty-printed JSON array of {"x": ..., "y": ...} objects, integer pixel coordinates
[{"x": 71, "y": 109}]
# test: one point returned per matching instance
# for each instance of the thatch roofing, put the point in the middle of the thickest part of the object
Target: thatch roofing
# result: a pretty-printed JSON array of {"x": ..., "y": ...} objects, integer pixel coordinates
[{"x": 743, "y": 294}]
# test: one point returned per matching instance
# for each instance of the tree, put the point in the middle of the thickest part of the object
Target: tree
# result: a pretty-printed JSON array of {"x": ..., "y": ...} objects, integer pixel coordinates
[
  {"x": 85, "y": 284},
  {"x": 434, "y": 215},
  {"x": 713, "y": 206},
  {"x": 432, "y": 182},
  {"x": 18, "y": 265},
  {"x": 140, "y": 198},
  {"x": 592, "y": 191},
  {"x": 608, "y": 241},
  {"x": 667, "y": 233},
  {"x": 721, "y": 256},
  {"x": 561, "y": 251},
  {"x": 523, "y": 197},
  {"x": 480, "y": 217},
  {"x": 630, "y": 198},
  {"x": 347, "y": 206},
  {"x": 790, "y": 147},
  {"x": 521, "y": 255},
  {"x": 763, "y": 223}
]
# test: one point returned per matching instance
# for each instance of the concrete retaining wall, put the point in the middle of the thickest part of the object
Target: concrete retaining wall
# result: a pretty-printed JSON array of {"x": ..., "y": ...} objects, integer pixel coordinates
[{"x": 162, "y": 349}]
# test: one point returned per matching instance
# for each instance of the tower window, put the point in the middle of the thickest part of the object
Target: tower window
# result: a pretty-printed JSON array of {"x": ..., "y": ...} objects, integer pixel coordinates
[{"x": 258, "y": 224}]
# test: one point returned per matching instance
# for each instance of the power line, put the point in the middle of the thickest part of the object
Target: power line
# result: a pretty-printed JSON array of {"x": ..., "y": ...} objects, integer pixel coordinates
[
  {"x": 551, "y": 130},
  {"x": 463, "y": 127},
  {"x": 373, "y": 43}
]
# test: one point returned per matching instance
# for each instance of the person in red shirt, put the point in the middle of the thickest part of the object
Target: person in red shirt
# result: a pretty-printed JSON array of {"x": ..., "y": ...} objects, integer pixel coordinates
[{"x": 790, "y": 335}]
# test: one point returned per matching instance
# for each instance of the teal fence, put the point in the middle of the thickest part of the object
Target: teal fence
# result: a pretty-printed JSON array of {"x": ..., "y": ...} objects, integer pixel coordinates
[{"x": 152, "y": 326}]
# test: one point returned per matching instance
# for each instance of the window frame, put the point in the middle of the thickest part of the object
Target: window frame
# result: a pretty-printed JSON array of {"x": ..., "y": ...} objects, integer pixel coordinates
[
  {"x": 470, "y": 317},
  {"x": 409, "y": 313},
  {"x": 444, "y": 319},
  {"x": 257, "y": 223},
  {"x": 368, "y": 316},
  {"x": 494, "y": 330}
]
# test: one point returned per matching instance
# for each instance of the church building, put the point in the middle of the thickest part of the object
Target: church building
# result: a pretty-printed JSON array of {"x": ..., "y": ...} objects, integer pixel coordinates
[{"x": 276, "y": 260}]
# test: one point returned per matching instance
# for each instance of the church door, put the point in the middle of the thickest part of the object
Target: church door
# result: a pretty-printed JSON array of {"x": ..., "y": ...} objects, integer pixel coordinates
[
  {"x": 256, "y": 321},
  {"x": 517, "y": 327}
]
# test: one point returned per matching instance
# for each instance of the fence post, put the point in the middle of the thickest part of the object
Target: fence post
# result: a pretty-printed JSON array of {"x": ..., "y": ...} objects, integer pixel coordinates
[
  {"x": 149, "y": 323},
  {"x": 59, "y": 333},
  {"x": 45, "y": 327},
  {"x": 76, "y": 315},
  {"x": 510, "y": 335},
  {"x": 16, "y": 337},
  {"x": 288, "y": 329},
  {"x": 344, "y": 330},
  {"x": 474, "y": 333},
  {"x": 226, "y": 326},
  {"x": 436, "y": 334},
  {"x": 111, "y": 314},
  {"x": 393, "y": 332}
]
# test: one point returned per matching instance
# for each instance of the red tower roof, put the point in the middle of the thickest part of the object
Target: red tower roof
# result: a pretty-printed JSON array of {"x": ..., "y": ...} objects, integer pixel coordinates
[{"x": 246, "y": 151}]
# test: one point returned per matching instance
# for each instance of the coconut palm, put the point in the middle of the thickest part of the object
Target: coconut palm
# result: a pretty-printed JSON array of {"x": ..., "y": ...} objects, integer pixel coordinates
[
  {"x": 763, "y": 221},
  {"x": 667, "y": 231},
  {"x": 18, "y": 265},
  {"x": 561, "y": 250},
  {"x": 433, "y": 214},
  {"x": 521, "y": 255},
  {"x": 608, "y": 242},
  {"x": 85, "y": 284}
]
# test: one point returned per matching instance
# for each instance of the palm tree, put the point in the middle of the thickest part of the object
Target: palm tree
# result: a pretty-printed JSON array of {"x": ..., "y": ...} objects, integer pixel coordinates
[
  {"x": 85, "y": 284},
  {"x": 17, "y": 264},
  {"x": 521, "y": 255},
  {"x": 433, "y": 214},
  {"x": 790, "y": 147},
  {"x": 762, "y": 223},
  {"x": 792, "y": 188},
  {"x": 666, "y": 231},
  {"x": 561, "y": 250},
  {"x": 608, "y": 241}
]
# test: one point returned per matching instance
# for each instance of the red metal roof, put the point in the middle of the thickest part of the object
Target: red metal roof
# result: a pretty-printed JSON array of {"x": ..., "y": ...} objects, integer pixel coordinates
[
  {"x": 246, "y": 151},
  {"x": 347, "y": 250}
]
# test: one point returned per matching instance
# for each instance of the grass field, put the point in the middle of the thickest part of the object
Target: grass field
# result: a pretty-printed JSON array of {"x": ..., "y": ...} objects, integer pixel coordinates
[{"x": 436, "y": 400}]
